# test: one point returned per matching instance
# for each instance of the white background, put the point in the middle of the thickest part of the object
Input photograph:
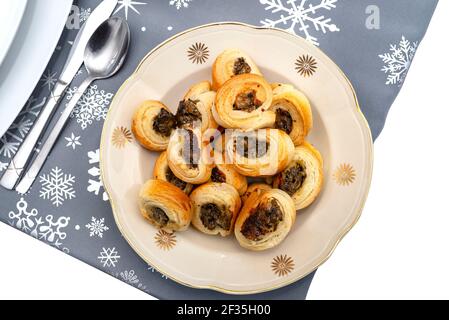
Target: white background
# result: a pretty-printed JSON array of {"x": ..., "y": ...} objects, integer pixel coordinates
[{"x": 399, "y": 249}]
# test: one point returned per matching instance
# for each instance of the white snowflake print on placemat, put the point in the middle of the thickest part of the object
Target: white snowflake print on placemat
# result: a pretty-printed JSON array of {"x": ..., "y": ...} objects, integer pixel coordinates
[
  {"x": 12, "y": 139},
  {"x": 95, "y": 184},
  {"x": 398, "y": 61},
  {"x": 109, "y": 257},
  {"x": 49, "y": 79},
  {"x": 299, "y": 16},
  {"x": 84, "y": 14},
  {"x": 129, "y": 4},
  {"x": 180, "y": 3},
  {"x": 130, "y": 277},
  {"x": 93, "y": 105},
  {"x": 73, "y": 141},
  {"x": 97, "y": 227},
  {"x": 48, "y": 228},
  {"x": 57, "y": 186}
]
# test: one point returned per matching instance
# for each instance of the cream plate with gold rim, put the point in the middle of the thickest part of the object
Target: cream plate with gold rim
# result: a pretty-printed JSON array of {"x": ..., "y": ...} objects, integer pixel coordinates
[{"x": 340, "y": 132}]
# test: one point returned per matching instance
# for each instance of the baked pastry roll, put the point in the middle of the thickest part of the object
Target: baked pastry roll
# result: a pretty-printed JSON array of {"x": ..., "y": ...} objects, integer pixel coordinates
[
  {"x": 165, "y": 206},
  {"x": 303, "y": 178},
  {"x": 293, "y": 112},
  {"x": 152, "y": 125},
  {"x": 188, "y": 156},
  {"x": 254, "y": 188},
  {"x": 265, "y": 220},
  {"x": 196, "y": 107},
  {"x": 244, "y": 102},
  {"x": 230, "y": 63},
  {"x": 260, "y": 153},
  {"x": 163, "y": 172},
  {"x": 215, "y": 208},
  {"x": 225, "y": 173}
]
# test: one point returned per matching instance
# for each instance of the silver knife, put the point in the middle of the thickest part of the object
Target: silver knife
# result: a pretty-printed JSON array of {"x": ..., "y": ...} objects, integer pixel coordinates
[{"x": 74, "y": 62}]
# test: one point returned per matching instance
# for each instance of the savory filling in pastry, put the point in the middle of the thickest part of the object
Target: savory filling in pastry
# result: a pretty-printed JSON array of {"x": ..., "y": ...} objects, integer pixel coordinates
[
  {"x": 163, "y": 172},
  {"x": 293, "y": 112},
  {"x": 165, "y": 206},
  {"x": 218, "y": 175},
  {"x": 303, "y": 178},
  {"x": 263, "y": 220},
  {"x": 292, "y": 179},
  {"x": 152, "y": 125},
  {"x": 241, "y": 66},
  {"x": 158, "y": 215},
  {"x": 284, "y": 121},
  {"x": 164, "y": 123},
  {"x": 213, "y": 216},
  {"x": 189, "y": 157},
  {"x": 215, "y": 208},
  {"x": 231, "y": 63},
  {"x": 247, "y": 101},
  {"x": 243, "y": 102},
  {"x": 188, "y": 113},
  {"x": 259, "y": 153}
]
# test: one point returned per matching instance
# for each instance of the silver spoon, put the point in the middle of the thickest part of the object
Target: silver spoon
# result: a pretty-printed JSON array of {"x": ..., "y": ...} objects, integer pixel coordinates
[{"x": 104, "y": 56}]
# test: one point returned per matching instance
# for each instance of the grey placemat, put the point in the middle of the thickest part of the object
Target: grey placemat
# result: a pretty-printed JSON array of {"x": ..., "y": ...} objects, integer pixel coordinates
[{"x": 374, "y": 42}]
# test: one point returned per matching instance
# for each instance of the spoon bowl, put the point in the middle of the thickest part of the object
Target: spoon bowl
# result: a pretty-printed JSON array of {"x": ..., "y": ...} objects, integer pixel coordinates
[{"x": 107, "y": 48}]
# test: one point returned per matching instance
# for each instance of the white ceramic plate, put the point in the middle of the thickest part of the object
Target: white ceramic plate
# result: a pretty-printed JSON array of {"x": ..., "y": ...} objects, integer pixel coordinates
[
  {"x": 32, "y": 48},
  {"x": 10, "y": 17},
  {"x": 340, "y": 132}
]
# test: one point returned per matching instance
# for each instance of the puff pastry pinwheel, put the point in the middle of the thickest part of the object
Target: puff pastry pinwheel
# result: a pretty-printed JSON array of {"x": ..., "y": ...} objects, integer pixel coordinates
[
  {"x": 153, "y": 124},
  {"x": 215, "y": 208},
  {"x": 260, "y": 153},
  {"x": 265, "y": 220},
  {"x": 255, "y": 187},
  {"x": 196, "y": 107},
  {"x": 165, "y": 206},
  {"x": 225, "y": 173},
  {"x": 244, "y": 102},
  {"x": 293, "y": 112},
  {"x": 163, "y": 172},
  {"x": 189, "y": 157},
  {"x": 303, "y": 178},
  {"x": 230, "y": 63}
]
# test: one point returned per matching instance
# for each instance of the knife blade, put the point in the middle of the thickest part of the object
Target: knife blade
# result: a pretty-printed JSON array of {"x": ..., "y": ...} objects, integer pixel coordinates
[{"x": 75, "y": 60}]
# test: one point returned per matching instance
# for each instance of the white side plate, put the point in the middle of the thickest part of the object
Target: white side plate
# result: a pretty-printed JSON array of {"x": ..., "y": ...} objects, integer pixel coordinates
[
  {"x": 10, "y": 17},
  {"x": 32, "y": 48}
]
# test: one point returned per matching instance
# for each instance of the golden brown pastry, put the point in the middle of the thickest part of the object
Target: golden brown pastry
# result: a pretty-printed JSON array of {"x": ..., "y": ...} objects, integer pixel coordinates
[
  {"x": 255, "y": 187},
  {"x": 225, "y": 173},
  {"x": 293, "y": 112},
  {"x": 230, "y": 63},
  {"x": 196, "y": 107},
  {"x": 188, "y": 156},
  {"x": 163, "y": 172},
  {"x": 260, "y": 153},
  {"x": 303, "y": 178},
  {"x": 265, "y": 220},
  {"x": 244, "y": 102},
  {"x": 153, "y": 124},
  {"x": 215, "y": 208},
  {"x": 165, "y": 206}
]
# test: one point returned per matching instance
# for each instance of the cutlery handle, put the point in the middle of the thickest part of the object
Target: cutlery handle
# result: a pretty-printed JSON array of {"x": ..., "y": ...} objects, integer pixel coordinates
[
  {"x": 38, "y": 163},
  {"x": 23, "y": 155}
]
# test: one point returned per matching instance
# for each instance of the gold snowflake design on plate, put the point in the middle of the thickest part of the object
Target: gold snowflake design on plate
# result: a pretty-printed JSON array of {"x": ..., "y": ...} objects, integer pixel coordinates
[
  {"x": 121, "y": 136},
  {"x": 165, "y": 240},
  {"x": 198, "y": 53},
  {"x": 306, "y": 65},
  {"x": 282, "y": 265},
  {"x": 345, "y": 174}
]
